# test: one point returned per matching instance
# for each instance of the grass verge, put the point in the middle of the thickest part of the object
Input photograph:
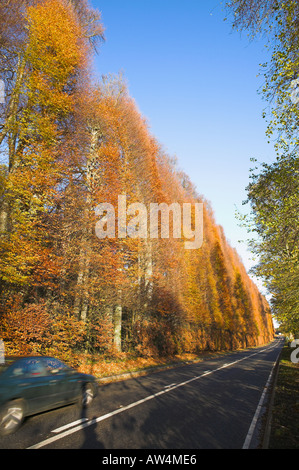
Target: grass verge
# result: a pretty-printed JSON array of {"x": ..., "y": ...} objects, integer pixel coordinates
[{"x": 284, "y": 432}]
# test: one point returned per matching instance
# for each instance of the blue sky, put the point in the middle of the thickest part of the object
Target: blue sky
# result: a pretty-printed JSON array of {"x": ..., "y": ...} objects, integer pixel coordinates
[{"x": 196, "y": 83}]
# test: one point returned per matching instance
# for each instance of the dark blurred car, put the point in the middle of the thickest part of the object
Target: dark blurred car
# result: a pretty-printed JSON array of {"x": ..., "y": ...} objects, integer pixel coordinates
[{"x": 31, "y": 385}]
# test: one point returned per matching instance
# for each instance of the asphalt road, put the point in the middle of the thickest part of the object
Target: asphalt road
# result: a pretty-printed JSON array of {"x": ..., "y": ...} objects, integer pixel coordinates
[{"x": 215, "y": 404}]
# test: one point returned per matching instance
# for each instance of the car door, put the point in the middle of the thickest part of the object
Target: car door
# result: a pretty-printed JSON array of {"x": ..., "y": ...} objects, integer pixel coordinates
[
  {"x": 65, "y": 386},
  {"x": 33, "y": 384}
]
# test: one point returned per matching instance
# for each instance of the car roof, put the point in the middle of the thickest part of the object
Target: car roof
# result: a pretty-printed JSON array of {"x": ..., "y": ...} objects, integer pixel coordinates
[{"x": 10, "y": 359}]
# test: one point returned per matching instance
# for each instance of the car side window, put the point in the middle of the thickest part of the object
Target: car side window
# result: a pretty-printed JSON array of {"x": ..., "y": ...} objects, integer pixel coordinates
[
  {"x": 52, "y": 364},
  {"x": 34, "y": 368}
]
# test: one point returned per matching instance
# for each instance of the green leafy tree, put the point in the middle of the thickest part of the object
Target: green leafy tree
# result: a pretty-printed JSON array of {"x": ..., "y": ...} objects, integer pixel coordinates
[
  {"x": 273, "y": 191},
  {"x": 279, "y": 20},
  {"x": 274, "y": 198}
]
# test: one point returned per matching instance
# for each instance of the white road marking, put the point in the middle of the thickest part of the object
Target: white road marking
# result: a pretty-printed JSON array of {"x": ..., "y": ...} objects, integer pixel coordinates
[
  {"x": 70, "y": 425},
  {"x": 168, "y": 386},
  {"x": 84, "y": 425},
  {"x": 252, "y": 427}
]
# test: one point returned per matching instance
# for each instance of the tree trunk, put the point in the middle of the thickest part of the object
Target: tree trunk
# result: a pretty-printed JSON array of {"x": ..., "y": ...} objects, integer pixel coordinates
[
  {"x": 118, "y": 324},
  {"x": 81, "y": 303}
]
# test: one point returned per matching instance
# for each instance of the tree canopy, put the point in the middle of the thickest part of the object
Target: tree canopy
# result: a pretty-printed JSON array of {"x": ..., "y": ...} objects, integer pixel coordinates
[
  {"x": 69, "y": 144},
  {"x": 273, "y": 190}
]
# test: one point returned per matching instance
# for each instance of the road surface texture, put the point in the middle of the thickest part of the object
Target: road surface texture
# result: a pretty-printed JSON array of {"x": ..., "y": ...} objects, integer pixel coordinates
[{"x": 214, "y": 404}]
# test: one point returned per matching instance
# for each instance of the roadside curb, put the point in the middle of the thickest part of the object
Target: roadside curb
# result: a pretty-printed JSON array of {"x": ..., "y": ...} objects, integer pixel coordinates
[
  {"x": 143, "y": 372},
  {"x": 160, "y": 368}
]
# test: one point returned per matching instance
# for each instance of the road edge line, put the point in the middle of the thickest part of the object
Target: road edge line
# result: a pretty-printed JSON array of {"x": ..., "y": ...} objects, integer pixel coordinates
[
  {"x": 268, "y": 425},
  {"x": 256, "y": 416}
]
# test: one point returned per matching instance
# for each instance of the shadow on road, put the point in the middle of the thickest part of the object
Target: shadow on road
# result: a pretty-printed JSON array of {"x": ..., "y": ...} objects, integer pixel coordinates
[{"x": 90, "y": 437}]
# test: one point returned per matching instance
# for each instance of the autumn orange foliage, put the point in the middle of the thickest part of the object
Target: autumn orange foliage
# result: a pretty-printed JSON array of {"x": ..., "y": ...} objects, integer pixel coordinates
[{"x": 72, "y": 145}]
